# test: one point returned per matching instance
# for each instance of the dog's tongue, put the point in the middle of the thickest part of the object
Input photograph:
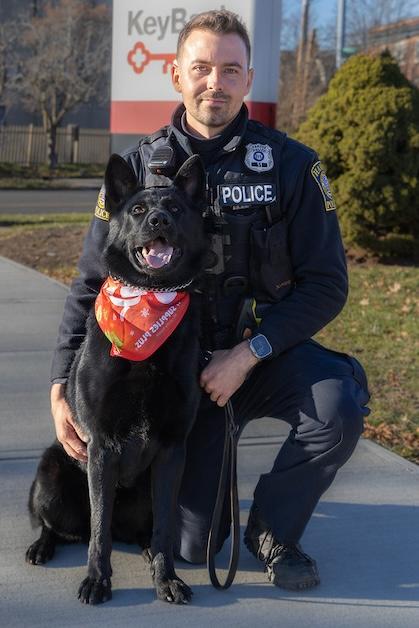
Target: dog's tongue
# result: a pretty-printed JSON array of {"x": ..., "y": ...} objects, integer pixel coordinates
[{"x": 157, "y": 253}]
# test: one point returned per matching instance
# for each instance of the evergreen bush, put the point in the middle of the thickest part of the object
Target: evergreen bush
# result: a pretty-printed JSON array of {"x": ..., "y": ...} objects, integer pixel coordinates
[{"x": 366, "y": 130}]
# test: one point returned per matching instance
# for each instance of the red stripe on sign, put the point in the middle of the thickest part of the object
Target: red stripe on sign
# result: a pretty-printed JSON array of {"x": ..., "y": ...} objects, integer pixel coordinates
[
  {"x": 264, "y": 112},
  {"x": 148, "y": 116}
]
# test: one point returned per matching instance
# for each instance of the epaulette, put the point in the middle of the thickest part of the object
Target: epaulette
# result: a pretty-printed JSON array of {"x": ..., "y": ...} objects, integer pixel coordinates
[
  {"x": 149, "y": 139},
  {"x": 310, "y": 152},
  {"x": 273, "y": 135}
]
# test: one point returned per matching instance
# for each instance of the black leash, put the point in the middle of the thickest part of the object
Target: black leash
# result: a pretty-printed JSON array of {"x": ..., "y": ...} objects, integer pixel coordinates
[{"x": 229, "y": 461}]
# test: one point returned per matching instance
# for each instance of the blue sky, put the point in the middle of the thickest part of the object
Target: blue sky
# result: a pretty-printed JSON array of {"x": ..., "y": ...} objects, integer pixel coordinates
[
  {"x": 324, "y": 14},
  {"x": 325, "y": 9}
]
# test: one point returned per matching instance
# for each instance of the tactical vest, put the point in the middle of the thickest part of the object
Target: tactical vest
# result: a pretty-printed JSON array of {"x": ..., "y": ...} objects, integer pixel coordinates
[{"x": 244, "y": 219}]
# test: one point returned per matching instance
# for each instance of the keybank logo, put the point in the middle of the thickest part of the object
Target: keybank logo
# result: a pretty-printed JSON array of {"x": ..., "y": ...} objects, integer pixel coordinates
[
  {"x": 139, "y": 23},
  {"x": 139, "y": 57}
]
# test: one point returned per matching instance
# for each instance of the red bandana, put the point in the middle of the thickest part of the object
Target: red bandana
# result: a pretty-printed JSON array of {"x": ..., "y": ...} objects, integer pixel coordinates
[{"x": 135, "y": 321}]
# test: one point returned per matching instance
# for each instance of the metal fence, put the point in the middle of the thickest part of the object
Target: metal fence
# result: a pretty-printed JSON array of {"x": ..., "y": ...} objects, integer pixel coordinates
[{"x": 28, "y": 145}]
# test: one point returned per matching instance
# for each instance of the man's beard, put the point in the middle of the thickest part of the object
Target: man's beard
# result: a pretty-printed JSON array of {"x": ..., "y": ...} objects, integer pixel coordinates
[{"x": 214, "y": 117}]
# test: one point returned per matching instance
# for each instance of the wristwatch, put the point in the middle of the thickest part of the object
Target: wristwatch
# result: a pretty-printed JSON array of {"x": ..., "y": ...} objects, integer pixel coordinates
[{"x": 260, "y": 347}]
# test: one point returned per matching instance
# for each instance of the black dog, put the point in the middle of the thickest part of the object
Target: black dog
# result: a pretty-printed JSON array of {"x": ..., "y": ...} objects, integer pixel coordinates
[{"x": 136, "y": 414}]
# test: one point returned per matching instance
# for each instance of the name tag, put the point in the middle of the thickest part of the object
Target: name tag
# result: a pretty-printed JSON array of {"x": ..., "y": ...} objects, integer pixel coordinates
[{"x": 246, "y": 194}]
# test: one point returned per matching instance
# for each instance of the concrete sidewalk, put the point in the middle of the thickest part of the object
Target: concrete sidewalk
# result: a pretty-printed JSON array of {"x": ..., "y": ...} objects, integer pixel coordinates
[{"x": 364, "y": 534}]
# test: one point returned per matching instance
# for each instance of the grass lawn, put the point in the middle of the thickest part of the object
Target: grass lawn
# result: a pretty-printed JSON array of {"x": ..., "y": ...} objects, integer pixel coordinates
[
  {"x": 39, "y": 176},
  {"x": 50, "y": 243},
  {"x": 378, "y": 325}
]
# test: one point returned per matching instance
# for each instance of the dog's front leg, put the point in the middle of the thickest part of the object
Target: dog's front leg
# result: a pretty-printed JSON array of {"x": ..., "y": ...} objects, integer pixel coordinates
[
  {"x": 167, "y": 469},
  {"x": 102, "y": 471}
]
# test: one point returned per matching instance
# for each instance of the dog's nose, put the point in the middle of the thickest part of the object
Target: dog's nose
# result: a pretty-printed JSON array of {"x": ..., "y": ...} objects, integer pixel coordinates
[{"x": 158, "y": 219}]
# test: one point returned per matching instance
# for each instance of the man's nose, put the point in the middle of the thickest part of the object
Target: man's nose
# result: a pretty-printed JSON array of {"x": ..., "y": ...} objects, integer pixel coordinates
[{"x": 214, "y": 79}]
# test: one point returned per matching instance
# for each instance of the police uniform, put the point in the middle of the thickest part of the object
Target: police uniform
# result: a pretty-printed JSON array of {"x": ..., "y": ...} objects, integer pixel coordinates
[{"x": 276, "y": 245}]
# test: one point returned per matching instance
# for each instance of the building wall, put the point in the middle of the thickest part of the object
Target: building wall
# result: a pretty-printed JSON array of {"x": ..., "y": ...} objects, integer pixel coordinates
[{"x": 401, "y": 39}]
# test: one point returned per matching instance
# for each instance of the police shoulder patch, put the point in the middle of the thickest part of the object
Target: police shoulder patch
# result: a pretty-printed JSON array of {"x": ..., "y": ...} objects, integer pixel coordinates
[
  {"x": 100, "y": 211},
  {"x": 319, "y": 175}
]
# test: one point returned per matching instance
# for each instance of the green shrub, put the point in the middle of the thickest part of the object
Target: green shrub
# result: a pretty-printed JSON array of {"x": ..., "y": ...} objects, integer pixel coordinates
[{"x": 366, "y": 130}]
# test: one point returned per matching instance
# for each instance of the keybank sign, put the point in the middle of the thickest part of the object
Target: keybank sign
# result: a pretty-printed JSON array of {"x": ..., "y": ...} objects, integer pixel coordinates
[
  {"x": 139, "y": 23},
  {"x": 144, "y": 42}
]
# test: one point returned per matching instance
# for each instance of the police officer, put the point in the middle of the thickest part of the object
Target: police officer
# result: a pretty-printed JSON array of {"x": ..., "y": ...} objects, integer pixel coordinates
[{"x": 278, "y": 258}]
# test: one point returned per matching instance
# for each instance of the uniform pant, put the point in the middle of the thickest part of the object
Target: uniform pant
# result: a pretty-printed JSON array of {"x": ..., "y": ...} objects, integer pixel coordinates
[{"x": 321, "y": 394}]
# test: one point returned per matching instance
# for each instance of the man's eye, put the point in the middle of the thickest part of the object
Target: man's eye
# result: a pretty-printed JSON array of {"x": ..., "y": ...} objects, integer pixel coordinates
[
  {"x": 231, "y": 70},
  {"x": 200, "y": 68},
  {"x": 138, "y": 209}
]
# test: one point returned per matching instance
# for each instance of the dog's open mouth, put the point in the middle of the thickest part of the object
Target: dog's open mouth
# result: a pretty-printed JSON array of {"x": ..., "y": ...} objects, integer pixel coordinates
[{"x": 156, "y": 253}]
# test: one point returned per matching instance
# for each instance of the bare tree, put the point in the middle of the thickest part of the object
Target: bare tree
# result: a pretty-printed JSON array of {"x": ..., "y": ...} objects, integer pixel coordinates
[
  {"x": 290, "y": 25},
  {"x": 362, "y": 15},
  {"x": 304, "y": 69},
  {"x": 65, "y": 61},
  {"x": 8, "y": 37}
]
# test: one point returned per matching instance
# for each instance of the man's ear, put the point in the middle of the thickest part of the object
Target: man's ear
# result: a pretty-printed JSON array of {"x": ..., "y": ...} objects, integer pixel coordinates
[
  {"x": 120, "y": 181},
  {"x": 250, "y": 77},
  {"x": 190, "y": 178},
  {"x": 176, "y": 76}
]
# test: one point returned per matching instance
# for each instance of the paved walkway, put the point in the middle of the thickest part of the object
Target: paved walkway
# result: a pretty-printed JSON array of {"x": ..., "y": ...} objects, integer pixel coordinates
[{"x": 364, "y": 533}]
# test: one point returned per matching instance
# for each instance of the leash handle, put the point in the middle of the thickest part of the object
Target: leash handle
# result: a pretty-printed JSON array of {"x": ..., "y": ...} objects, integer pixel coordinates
[{"x": 229, "y": 460}]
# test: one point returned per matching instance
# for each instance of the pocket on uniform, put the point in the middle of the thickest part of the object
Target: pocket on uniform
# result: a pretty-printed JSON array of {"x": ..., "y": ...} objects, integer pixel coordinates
[{"x": 270, "y": 271}]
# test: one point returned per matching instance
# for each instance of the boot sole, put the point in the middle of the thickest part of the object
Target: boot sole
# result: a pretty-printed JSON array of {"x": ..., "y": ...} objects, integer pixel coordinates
[
  {"x": 297, "y": 586},
  {"x": 309, "y": 582}
]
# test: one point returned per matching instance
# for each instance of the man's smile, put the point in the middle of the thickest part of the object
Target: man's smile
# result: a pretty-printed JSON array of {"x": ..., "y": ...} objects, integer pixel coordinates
[{"x": 214, "y": 99}]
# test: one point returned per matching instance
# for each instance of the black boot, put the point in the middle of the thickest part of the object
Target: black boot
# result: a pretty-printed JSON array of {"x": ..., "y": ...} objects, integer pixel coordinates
[{"x": 287, "y": 566}]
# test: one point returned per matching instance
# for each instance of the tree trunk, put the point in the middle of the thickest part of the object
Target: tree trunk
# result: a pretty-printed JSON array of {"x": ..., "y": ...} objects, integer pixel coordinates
[{"x": 52, "y": 157}]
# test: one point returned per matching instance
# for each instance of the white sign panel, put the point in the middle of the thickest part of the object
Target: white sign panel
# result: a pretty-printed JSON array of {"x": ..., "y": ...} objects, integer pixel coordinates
[{"x": 144, "y": 47}]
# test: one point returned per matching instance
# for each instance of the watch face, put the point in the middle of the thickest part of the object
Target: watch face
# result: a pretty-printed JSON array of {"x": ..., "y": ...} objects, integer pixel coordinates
[{"x": 261, "y": 347}]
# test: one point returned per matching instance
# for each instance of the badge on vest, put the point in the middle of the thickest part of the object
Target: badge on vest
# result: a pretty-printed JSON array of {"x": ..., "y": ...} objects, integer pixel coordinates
[
  {"x": 320, "y": 178},
  {"x": 259, "y": 157},
  {"x": 100, "y": 211},
  {"x": 246, "y": 194}
]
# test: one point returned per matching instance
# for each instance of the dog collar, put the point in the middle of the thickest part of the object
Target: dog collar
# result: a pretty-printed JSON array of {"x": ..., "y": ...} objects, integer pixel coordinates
[
  {"x": 138, "y": 321},
  {"x": 145, "y": 289}
]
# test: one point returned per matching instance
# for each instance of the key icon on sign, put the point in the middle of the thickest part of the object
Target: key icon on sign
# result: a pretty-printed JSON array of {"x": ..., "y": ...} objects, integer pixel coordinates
[{"x": 139, "y": 57}]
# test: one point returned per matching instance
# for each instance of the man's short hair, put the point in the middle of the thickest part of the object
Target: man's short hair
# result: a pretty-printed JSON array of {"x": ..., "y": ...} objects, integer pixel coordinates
[{"x": 222, "y": 22}]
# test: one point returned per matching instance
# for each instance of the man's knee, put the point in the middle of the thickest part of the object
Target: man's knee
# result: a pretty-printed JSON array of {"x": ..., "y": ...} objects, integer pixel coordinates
[{"x": 340, "y": 410}]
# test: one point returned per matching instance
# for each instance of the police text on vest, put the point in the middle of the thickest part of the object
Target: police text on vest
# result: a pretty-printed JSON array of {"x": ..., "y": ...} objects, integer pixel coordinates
[{"x": 246, "y": 194}]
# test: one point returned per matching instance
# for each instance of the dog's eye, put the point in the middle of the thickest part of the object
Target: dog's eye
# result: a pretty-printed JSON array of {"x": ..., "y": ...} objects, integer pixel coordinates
[
  {"x": 174, "y": 209},
  {"x": 138, "y": 209}
]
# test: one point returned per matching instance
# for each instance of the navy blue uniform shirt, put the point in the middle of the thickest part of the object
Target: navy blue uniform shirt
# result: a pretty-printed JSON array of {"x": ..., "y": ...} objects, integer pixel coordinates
[{"x": 315, "y": 247}]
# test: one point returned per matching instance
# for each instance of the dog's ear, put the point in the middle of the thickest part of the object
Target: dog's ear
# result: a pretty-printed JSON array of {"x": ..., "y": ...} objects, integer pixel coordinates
[
  {"x": 190, "y": 178},
  {"x": 120, "y": 181}
]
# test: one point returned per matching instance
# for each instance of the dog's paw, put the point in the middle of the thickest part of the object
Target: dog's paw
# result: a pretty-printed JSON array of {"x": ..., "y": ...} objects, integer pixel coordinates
[
  {"x": 93, "y": 591},
  {"x": 174, "y": 591},
  {"x": 169, "y": 587},
  {"x": 40, "y": 552}
]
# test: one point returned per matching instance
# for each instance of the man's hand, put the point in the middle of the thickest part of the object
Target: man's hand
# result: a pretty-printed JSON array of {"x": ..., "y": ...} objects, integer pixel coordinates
[
  {"x": 68, "y": 433},
  {"x": 227, "y": 371}
]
